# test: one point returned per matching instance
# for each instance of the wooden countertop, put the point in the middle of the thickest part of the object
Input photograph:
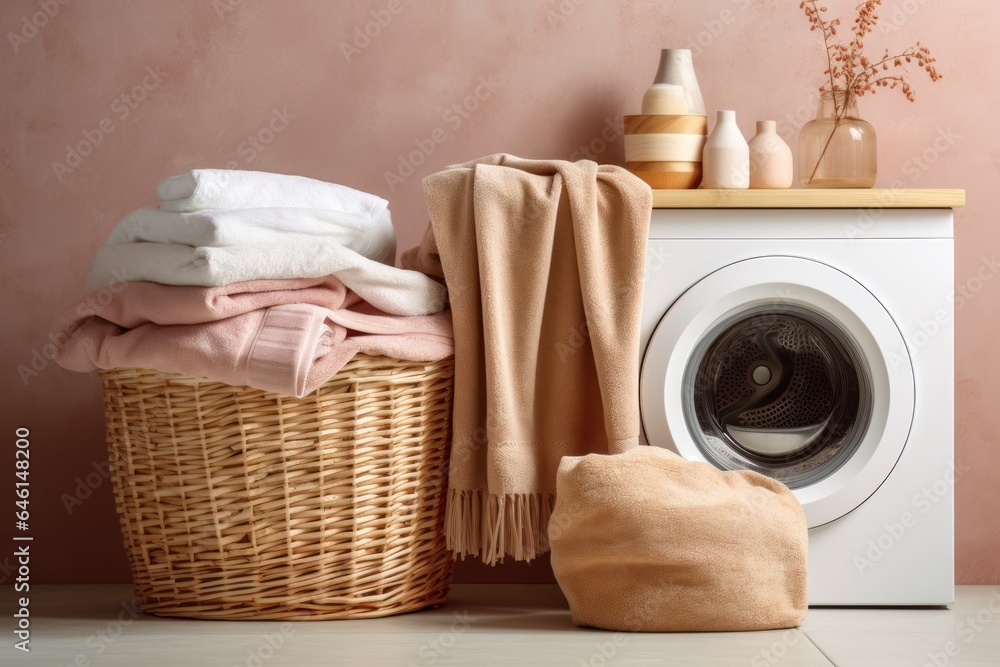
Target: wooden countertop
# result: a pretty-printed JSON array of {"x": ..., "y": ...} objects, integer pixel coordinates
[{"x": 808, "y": 198}]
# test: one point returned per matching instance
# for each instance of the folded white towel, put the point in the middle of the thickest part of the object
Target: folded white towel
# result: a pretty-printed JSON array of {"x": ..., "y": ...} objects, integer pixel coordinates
[
  {"x": 223, "y": 188},
  {"x": 391, "y": 290},
  {"x": 375, "y": 239}
]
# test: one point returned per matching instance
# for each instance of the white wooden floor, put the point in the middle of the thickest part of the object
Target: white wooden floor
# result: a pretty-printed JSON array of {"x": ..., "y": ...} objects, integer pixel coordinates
[{"x": 492, "y": 625}]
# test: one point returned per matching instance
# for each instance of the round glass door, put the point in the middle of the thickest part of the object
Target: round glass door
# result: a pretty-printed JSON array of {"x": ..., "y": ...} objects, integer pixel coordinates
[
  {"x": 787, "y": 367},
  {"x": 781, "y": 391}
]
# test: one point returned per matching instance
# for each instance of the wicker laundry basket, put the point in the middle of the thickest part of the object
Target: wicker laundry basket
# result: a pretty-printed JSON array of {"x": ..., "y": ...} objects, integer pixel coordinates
[{"x": 237, "y": 503}]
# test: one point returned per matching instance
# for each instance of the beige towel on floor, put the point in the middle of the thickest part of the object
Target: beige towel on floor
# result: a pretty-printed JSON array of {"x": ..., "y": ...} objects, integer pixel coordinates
[
  {"x": 647, "y": 541},
  {"x": 544, "y": 263}
]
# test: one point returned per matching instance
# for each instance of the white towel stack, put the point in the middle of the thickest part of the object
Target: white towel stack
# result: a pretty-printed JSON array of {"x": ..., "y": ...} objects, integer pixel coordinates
[{"x": 214, "y": 227}]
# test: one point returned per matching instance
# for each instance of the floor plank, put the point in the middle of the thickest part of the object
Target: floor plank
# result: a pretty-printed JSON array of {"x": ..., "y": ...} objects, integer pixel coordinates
[
  {"x": 908, "y": 649},
  {"x": 499, "y": 625}
]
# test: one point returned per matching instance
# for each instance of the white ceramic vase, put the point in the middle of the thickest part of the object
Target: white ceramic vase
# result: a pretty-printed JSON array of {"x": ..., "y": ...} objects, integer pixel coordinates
[
  {"x": 726, "y": 159},
  {"x": 677, "y": 68},
  {"x": 770, "y": 158}
]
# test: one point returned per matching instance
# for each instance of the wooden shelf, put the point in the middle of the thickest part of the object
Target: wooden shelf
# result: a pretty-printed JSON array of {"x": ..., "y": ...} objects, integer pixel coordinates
[{"x": 811, "y": 198}]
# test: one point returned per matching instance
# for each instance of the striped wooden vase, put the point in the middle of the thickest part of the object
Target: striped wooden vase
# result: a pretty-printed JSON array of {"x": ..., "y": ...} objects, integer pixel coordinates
[{"x": 665, "y": 151}]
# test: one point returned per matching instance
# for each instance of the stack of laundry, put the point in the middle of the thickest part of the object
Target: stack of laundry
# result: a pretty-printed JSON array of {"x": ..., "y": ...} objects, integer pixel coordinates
[{"x": 255, "y": 279}]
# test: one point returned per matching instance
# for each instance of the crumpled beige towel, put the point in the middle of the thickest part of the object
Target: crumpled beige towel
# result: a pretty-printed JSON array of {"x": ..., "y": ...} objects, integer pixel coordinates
[
  {"x": 647, "y": 541},
  {"x": 544, "y": 264}
]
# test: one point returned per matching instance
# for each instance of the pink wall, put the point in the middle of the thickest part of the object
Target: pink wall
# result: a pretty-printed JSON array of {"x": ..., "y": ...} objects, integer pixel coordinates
[{"x": 154, "y": 88}]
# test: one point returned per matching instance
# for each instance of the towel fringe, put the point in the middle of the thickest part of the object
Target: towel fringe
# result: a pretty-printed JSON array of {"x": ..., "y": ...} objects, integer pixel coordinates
[{"x": 514, "y": 524}]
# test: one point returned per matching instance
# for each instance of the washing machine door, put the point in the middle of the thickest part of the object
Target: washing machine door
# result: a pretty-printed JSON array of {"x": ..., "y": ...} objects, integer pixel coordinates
[{"x": 788, "y": 367}]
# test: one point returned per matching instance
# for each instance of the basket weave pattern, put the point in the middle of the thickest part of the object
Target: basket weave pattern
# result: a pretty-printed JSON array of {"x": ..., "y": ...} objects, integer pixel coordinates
[{"x": 240, "y": 503}]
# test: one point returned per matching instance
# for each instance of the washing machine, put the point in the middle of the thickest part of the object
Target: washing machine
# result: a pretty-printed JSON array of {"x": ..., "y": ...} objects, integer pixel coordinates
[{"x": 816, "y": 346}]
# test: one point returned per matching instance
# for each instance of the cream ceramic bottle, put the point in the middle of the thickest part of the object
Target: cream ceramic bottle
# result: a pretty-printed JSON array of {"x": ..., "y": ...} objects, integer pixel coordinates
[{"x": 726, "y": 158}]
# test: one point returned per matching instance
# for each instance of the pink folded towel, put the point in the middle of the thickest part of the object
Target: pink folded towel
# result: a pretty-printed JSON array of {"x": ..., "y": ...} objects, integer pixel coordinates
[{"x": 285, "y": 336}]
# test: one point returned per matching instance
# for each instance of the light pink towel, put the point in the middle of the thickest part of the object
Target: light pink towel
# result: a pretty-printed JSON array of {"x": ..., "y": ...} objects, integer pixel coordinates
[{"x": 286, "y": 336}]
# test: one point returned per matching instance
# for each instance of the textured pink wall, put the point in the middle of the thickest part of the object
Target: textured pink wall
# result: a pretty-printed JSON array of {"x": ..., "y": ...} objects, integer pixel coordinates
[{"x": 153, "y": 88}]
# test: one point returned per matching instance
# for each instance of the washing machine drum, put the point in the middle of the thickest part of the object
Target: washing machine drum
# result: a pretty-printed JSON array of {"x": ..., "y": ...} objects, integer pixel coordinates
[
  {"x": 779, "y": 393},
  {"x": 785, "y": 366}
]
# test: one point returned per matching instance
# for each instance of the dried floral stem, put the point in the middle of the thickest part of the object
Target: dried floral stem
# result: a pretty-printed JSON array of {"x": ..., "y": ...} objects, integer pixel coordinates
[
  {"x": 908, "y": 54},
  {"x": 847, "y": 63},
  {"x": 836, "y": 125},
  {"x": 897, "y": 79},
  {"x": 828, "y": 29}
]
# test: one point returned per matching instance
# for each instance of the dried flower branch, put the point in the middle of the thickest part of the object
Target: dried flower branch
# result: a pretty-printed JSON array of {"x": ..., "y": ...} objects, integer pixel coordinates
[
  {"x": 851, "y": 73},
  {"x": 849, "y": 69}
]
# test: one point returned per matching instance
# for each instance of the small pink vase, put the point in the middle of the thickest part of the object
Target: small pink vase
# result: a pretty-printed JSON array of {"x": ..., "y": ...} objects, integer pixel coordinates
[{"x": 770, "y": 158}]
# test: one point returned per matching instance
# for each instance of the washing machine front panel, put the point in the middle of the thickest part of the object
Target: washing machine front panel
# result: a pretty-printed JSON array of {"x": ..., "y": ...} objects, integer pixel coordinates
[{"x": 788, "y": 367}]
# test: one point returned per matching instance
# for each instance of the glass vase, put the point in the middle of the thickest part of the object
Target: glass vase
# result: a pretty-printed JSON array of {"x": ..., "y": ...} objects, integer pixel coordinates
[{"x": 837, "y": 149}]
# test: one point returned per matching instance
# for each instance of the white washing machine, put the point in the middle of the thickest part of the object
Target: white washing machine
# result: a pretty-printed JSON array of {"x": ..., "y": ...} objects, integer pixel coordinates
[{"x": 815, "y": 346}]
